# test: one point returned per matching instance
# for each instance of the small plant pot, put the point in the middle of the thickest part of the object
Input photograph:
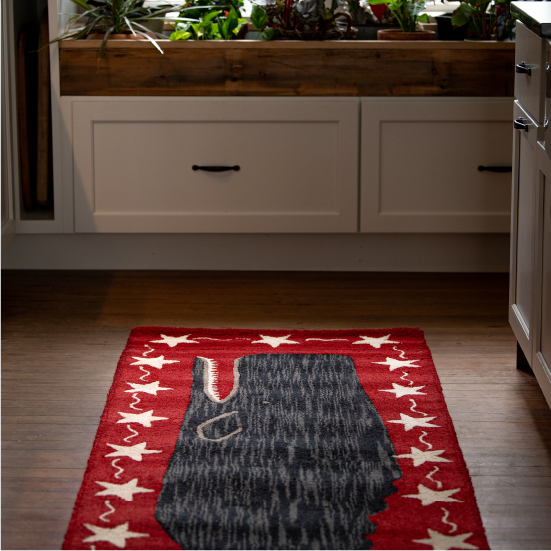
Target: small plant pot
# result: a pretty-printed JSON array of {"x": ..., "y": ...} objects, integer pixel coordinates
[
  {"x": 446, "y": 31},
  {"x": 394, "y": 34}
]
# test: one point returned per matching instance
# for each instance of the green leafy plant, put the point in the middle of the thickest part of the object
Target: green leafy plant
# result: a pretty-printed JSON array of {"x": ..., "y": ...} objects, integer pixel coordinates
[
  {"x": 206, "y": 20},
  {"x": 480, "y": 16},
  {"x": 115, "y": 17},
  {"x": 301, "y": 19},
  {"x": 407, "y": 12},
  {"x": 259, "y": 18}
]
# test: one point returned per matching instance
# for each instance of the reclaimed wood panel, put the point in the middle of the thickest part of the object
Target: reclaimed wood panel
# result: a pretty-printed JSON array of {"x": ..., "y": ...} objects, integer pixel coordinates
[{"x": 251, "y": 68}]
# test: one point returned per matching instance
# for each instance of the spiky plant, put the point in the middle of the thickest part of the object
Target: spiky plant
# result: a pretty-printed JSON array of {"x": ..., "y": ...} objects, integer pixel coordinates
[{"x": 116, "y": 17}]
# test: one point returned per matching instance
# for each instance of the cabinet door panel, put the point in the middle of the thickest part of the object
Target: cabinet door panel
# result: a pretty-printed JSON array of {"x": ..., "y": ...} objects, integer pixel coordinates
[
  {"x": 298, "y": 166},
  {"x": 523, "y": 232},
  {"x": 541, "y": 363},
  {"x": 545, "y": 333},
  {"x": 420, "y": 166},
  {"x": 525, "y": 228}
]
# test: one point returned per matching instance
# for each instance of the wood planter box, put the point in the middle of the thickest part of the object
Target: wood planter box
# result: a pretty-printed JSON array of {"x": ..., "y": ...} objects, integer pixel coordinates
[{"x": 288, "y": 68}]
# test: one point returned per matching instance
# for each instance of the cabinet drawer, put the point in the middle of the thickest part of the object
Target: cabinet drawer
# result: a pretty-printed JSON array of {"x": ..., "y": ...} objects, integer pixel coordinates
[
  {"x": 420, "y": 166},
  {"x": 530, "y": 86},
  {"x": 297, "y": 166}
]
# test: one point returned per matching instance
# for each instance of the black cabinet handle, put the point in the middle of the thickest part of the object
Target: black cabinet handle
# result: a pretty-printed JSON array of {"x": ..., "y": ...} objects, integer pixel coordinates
[
  {"x": 482, "y": 168},
  {"x": 522, "y": 68},
  {"x": 216, "y": 168},
  {"x": 519, "y": 124}
]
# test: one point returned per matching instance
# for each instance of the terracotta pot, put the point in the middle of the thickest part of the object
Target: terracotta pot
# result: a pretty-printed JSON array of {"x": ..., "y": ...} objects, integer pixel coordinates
[{"x": 397, "y": 34}]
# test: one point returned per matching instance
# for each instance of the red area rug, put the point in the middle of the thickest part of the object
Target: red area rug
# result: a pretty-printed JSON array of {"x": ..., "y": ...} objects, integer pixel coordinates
[{"x": 272, "y": 439}]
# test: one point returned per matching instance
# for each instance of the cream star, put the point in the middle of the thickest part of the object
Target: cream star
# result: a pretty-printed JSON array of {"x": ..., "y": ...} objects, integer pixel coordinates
[
  {"x": 419, "y": 457},
  {"x": 376, "y": 342},
  {"x": 395, "y": 364},
  {"x": 134, "y": 452},
  {"x": 173, "y": 341},
  {"x": 441, "y": 541},
  {"x": 150, "y": 388},
  {"x": 157, "y": 362},
  {"x": 412, "y": 422},
  {"x": 428, "y": 496},
  {"x": 144, "y": 418},
  {"x": 124, "y": 491},
  {"x": 274, "y": 342},
  {"x": 116, "y": 536},
  {"x": 399, "y": 390}
]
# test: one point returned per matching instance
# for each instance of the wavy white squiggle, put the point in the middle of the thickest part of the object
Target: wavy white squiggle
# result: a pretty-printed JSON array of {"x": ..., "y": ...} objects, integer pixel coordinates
[
  {"x": 414, "y": 405},
  {"x": 147, "y": 373},
  {"x": 107, "y": 513},
  {"x": 136, "y": 401},
  {"x": 402, "y": 353},
  {"x": 326, "y": 340},
  {"x": 429, "y": 446},
  {"x": 120, "y": 469},
  {"x": 211, "y": 339},
  {"x": 149, "y": 351},
  {"x": 437, "y": 482},
  {"x": 135, "y": 433},
  {"x": 403, "y": 377},
  {"x": 445, "y": 520}
]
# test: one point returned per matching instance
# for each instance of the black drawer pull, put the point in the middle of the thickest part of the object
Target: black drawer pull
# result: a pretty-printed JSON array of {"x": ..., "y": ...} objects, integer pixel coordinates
[
  {"x": 482, "y": 168},
  {"x": 522, "y": 68},
  {"x": 216, "y": 168},
  {"x": 519, "y": 124}
]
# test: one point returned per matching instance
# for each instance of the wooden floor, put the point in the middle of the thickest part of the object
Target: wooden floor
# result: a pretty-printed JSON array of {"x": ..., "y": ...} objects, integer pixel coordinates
[{"x": 62, "y": 334}]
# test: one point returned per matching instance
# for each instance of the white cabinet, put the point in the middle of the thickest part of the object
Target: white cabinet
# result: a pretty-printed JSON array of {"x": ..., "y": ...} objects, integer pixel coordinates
[
  {"x": 530, "y": 274},
  {"x": 521, "y": 295},
  {"x": 292, "y": 166},
  {"x": 436, "y": 165},
  {"x": 6, "y": 208}
]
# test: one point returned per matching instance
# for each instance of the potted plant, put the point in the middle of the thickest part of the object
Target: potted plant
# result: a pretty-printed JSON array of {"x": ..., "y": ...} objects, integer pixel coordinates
[
  {"x": 302, "y": 20},
  {"x": 116, "y": 19},
  {"x": 408, "y": 14},
  {"x": 484, "y": 19},
  {"x": 210, "y": 20},
  {"x": 369, "y": 19}
]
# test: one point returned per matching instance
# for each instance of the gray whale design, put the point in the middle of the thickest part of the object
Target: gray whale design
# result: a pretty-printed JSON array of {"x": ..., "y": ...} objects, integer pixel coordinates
[{"x": 297, "y": 458}]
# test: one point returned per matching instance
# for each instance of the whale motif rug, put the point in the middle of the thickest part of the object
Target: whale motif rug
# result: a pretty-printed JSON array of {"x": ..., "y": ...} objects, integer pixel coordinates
[{"x": 273, "y": 439}]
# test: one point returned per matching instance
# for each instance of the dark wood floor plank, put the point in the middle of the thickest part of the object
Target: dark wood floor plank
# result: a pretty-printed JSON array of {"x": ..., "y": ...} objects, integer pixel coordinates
[{"x": 63, "y": 332}]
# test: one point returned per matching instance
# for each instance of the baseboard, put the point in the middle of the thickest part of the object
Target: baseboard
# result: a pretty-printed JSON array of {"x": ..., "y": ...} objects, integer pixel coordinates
[
  {"x": 8, "y": 233},
  {"x": 304, "y": 252}
]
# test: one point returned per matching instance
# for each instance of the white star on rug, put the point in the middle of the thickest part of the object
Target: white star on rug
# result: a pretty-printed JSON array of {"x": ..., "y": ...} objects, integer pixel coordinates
[
  {"x": 157, "y": 362},
  {"x": 274, "y": 342},
  {"x": 150, "y": 388},
  {"x": 124, "y": 491},
  {"x": 419, "y": 457},
  {"x": 412, "y": 422},
  {"x": 173, "y": 341},
  {"x": 441, "y": 541},
  {"x": 116, "y": 536},
  {"x": 428, "y": 496},
  {"x": 134, "y": 452},
  {"x": 375, "y": 342},
  {"x": 395, "y": 364},
  {"x": 399, "y": 390},
  {"x": 144, "y": 418}
]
